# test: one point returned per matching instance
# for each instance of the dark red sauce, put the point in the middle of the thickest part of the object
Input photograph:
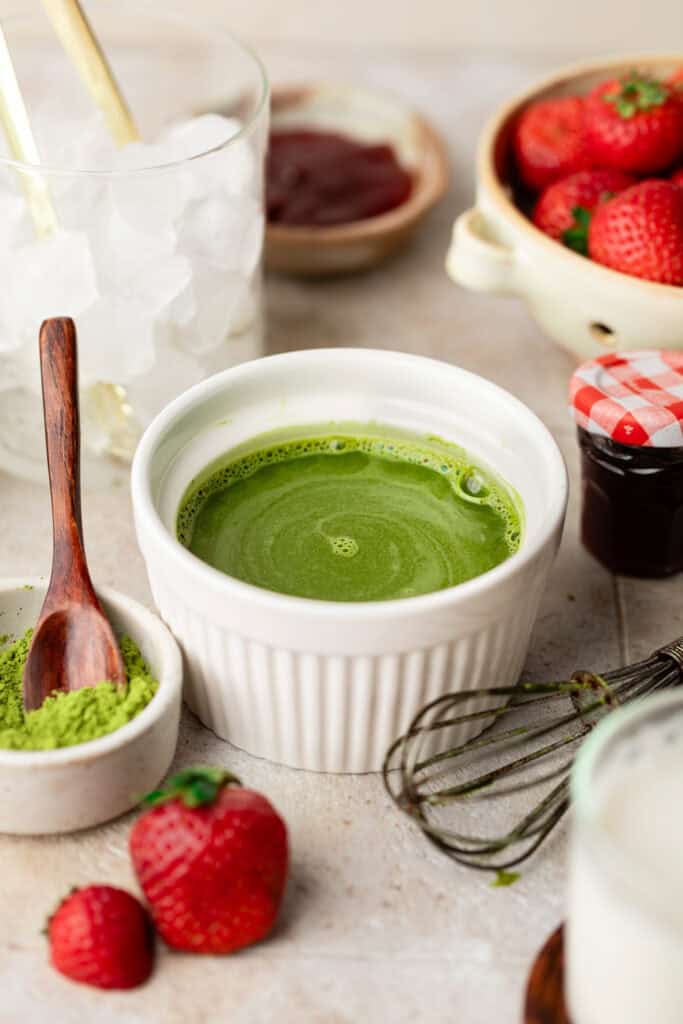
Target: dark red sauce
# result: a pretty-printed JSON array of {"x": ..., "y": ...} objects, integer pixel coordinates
[
  {"x": 632, "y": 518},
  {"x": 320, "y": 178}
]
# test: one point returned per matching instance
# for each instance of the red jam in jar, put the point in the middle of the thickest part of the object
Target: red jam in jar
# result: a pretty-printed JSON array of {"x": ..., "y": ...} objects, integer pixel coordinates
[
  {"x": 321, "y": 178},
  {"x": 629, "y": 411}
]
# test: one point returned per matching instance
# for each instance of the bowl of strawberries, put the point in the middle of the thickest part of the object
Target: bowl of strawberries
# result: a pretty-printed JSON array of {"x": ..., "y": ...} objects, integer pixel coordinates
[{"x": 579, "y": 206}]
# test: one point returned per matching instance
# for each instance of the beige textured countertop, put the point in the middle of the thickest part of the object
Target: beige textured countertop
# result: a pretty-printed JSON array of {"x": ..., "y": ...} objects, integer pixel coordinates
[{"x": 378, "y": 926}]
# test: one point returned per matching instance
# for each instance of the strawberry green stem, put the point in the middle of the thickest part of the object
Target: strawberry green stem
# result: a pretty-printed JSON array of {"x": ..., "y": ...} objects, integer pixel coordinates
[
  {"x": 637, "y": 93},
  {"x": 196, "y": 787},
  {"x": 576, "y": 237}
]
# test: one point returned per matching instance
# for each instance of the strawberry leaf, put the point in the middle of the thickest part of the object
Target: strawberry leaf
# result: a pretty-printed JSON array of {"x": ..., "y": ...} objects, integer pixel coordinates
[
  {"x": 576, "y": 237},
  {"x": 637, "y": 93},
  {"x": 194, "y": 786}
]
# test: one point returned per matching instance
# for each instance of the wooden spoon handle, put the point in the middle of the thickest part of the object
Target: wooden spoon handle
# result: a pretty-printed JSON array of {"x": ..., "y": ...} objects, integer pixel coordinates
[{"x": 59, "y": 373}]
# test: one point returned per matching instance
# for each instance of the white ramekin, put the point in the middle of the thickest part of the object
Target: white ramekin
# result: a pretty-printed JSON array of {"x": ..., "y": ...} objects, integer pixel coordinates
[
  {"x": 49, "y": 791},
  {"x": 585, "y": 307},
  {"x": 324, "y": 685}
]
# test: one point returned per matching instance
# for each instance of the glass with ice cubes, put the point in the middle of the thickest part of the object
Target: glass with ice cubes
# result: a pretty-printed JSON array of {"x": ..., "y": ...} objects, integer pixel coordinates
[{"x": 156, "y": 253}]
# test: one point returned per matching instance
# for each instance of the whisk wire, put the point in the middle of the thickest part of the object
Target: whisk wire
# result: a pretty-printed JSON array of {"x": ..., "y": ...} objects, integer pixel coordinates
[{"x": 417, "y": 776}]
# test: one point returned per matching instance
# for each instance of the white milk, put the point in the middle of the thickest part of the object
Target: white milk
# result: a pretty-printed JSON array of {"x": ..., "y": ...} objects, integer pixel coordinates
[{"x": 625, "y": 909}]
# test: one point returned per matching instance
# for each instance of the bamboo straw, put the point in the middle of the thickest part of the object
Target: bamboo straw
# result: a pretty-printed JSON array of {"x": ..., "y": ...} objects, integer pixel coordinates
[
  {"x": 22, "y": 145},
  {"x": 105, "y": 403},
  {"x": 81, "y": 44}
]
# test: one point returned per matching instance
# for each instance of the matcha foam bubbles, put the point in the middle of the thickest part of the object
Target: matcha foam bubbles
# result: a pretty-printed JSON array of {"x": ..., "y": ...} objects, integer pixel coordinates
[
  {"x": 66, "y": 719},
  {"x": 350, "y": 517}
]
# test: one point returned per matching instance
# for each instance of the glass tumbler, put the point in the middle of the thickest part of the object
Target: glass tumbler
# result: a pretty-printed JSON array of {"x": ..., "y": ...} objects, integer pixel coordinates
[
  {"x": 624, "y": 931},
  {"x": 154, "y": 248}
]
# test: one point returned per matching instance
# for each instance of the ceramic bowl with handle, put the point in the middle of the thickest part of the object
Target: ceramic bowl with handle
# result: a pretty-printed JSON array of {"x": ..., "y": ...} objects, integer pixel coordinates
[
  {"x": 328, "y": 685},
  {"x": 584, "y": 306},
  {"x": 44, "y": 792}
]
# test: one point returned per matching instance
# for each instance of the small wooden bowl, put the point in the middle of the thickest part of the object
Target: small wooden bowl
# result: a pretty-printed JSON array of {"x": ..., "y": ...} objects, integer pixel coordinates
[{"x": 369, "y": 117}]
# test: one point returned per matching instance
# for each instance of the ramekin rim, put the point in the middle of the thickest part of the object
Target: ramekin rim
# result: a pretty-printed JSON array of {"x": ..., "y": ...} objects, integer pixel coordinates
[{"x": 147, "y": 516}]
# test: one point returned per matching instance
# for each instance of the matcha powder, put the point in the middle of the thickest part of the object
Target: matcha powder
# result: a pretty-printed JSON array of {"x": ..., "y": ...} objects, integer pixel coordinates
[{"x": 69, "y": 718}]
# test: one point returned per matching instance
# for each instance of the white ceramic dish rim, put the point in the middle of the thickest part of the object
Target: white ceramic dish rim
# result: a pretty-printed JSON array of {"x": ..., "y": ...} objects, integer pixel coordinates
[
  {"x": 487, "y": 173},
  {"x": 349, "y": 612},
  {"x": 93, "y": 749}
]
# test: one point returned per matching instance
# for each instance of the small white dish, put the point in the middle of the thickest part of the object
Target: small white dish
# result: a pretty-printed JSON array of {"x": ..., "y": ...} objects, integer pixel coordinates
[
  {"x": 325, "y": 685},
  {"x": 584, "y": 306},
  {"x": 51, "y": 791}
]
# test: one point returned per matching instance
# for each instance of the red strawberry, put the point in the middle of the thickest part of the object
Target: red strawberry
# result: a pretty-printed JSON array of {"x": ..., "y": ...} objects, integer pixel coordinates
[
  {"x": 640, "y": 232},
  {"x": 564, "y": 205},
  {"x": 549, "y": 141},
  {"x": 102, "y": 936},
  {"x": 634, "y": 124},
  {"x": 212, "y": 861},
  {"x": 677, "y": 176},
  {"x": 676, "y": 80}
]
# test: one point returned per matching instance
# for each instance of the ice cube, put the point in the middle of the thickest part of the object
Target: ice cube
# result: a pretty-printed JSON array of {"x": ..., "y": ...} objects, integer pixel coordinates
[
  {"x": 22, "y": 357},
  {"x": 163, "y": 282},
  {"x": 122, "y": 253},
  {"x": 148, "y": 195},
  {"x": 157, "y": 265},
  {"x": 74, "y": 144},
  {"x": 245, "y": 341},
  {"x": 224, "y": 231},
  {"x": 183, "y": 307},
  {"x": 49, "y": 277},
  {"x": 77, "y": 201},
  {"x": 116, "y": 341},
  {"x": 218, "y": 295},
  {"x": 15, "y": 224},
  {"x": 71, "y": 141},
  {"x": 248, "y": 311},
  {"x": 241, "y": 174},
  {"x": 135, "y": 265},
  {"x": 197, "y": 135},
  {"x": 176, "y": 371},
  {"x": 212, "y": 163}
]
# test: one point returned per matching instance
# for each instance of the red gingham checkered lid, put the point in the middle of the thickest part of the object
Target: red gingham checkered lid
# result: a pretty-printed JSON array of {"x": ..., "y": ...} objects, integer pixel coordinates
[{"x": 632, "y": 397}]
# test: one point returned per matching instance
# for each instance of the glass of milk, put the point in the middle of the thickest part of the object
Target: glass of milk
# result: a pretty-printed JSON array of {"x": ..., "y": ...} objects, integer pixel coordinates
[
  {"x": 624, "y": 930},
  {"x": 156, "y": 252}
]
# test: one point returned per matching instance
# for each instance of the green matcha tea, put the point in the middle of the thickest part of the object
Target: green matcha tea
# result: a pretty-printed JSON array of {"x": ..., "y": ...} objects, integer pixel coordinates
[{"x": 349, "y": 517}]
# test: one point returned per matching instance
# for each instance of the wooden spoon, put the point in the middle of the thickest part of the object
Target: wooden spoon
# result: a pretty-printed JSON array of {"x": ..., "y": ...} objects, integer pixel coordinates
[{"x": 73, "y": 644}]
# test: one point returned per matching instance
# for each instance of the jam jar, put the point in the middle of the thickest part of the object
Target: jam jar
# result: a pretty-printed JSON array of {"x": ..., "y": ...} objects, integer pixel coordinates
[{"x": 628, "y": 408}]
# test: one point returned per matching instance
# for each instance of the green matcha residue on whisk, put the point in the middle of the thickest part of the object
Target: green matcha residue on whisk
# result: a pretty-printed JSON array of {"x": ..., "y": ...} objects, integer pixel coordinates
[
  {"x": 504, "y": 879},
  {"x": 69, "y": 718}
]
